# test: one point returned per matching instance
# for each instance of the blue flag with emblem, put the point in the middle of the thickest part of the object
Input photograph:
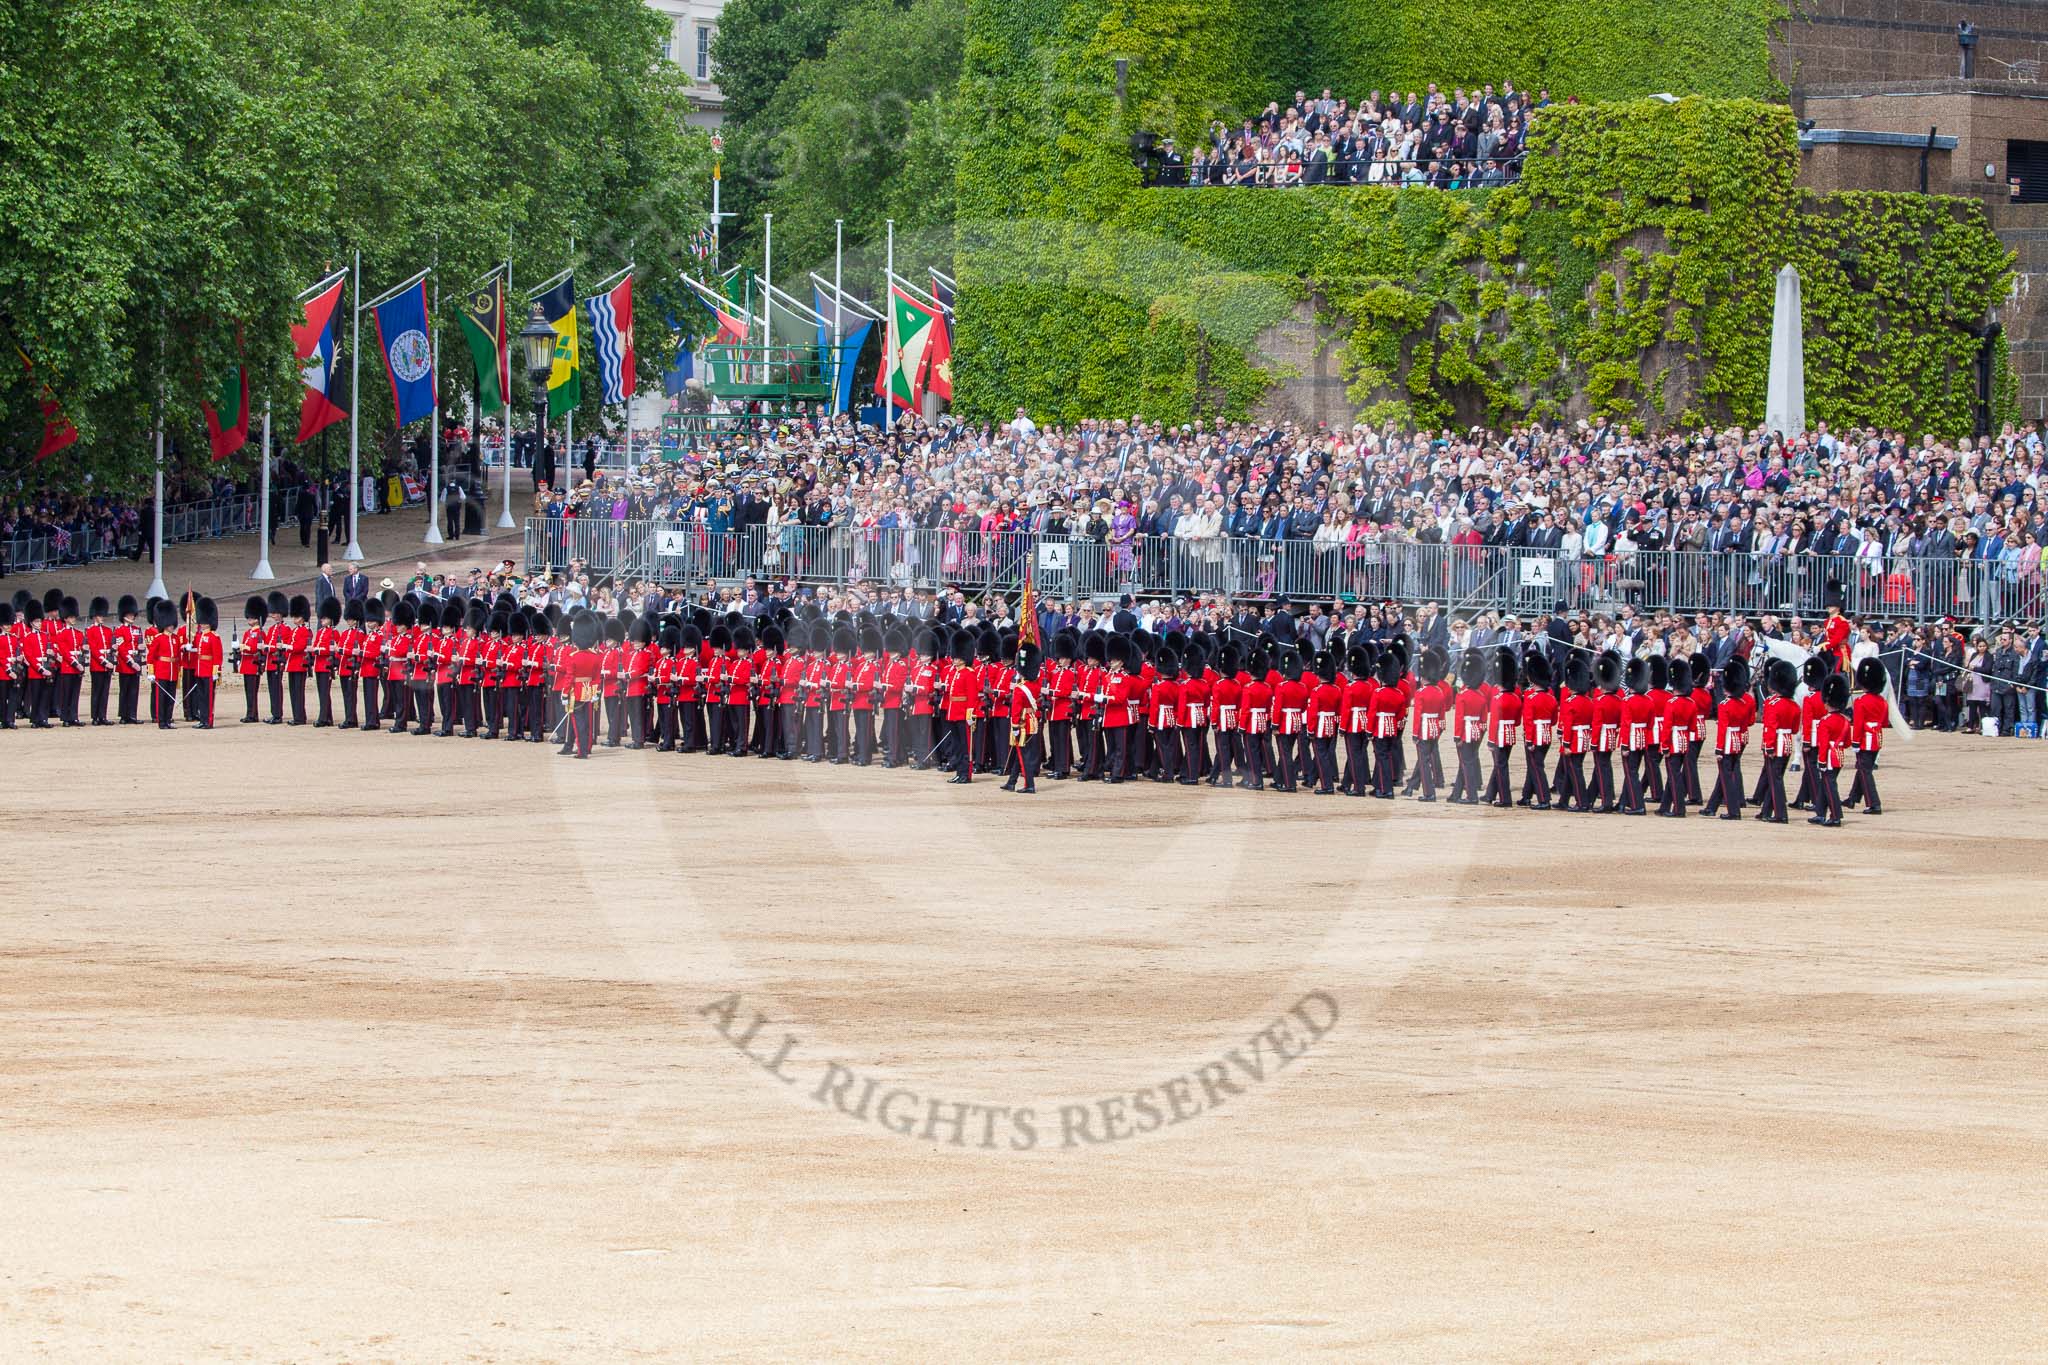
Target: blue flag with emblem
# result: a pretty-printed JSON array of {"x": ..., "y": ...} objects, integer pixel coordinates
[{"x": 404, "y": 338}]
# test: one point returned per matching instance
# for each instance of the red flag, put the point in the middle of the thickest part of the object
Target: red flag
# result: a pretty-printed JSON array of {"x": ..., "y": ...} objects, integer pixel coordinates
[
  {"x": 313, "y": 344},
  {"x": 730, "y": 330},
  {"x": 938, "y": 361},
  {"x": 225, "y": 439},
  {"x": 57, "y": 429}
]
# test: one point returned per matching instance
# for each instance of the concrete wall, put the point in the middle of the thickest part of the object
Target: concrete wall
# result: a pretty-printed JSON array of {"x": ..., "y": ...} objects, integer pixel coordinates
[
  {"x": 1980, "y": 115},
  {"x": 1838, "y": 166}
]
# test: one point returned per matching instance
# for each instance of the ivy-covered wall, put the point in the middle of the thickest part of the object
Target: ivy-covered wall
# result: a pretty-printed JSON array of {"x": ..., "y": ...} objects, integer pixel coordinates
[{"x": 1630, "y": 272}]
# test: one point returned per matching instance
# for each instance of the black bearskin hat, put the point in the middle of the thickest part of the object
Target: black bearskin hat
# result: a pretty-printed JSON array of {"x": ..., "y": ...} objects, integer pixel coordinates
[
  {"x": 1782, "y": 678},
  {"x": 1167, "y": 665},
  {"x": 1029, "y": 657},
  {"x": 1607, "y": 671},
  {"x": 1536, "y": 669},
  {"x": 373, "y": 612},
  {"x": 301, "y": 608},
  {"x": 1637, "y": 676},
  {"x": 208, "y": 613},
  {"x": 128, "y": 606},
  {"x": 1505, "y": 672},
  {"x": 1290, "y": 664},
  {"x": 1435, "y": 666},
  {"x": 1471, "y": 668},
  {"x": 256, "y": 610},
  {"x": 772, "y": 639},
  {"x": 1578, "y": 673},
  {"x": 1065, "y": 646},
  {"x": 844, "y": 641},
  {"x": 671, "y": 637},
  {"x": 1358, "y": 663},
  {"x": 53, "y": 601},
  {"x": 1660, "y": 673},
  {"x": 330, "y": 610},
  {"x": 1815, "y": 670},
  {"x": 1835, "y": 692},
  {"x": 585, "y": 630},
  {"x": 721, "y": 638},
  {"x": 615, "y": 631},
  {"x": 353, "y": 612},
  {"x": 99, "y": 607},
  {"x": 693, "y": 637},
  {"x": 405, "y": 615},
  {"x": 1735, "y": 677},
  {"x": 1094, "y": 648},
  {"x": 1870, "y": 676},
  {"x": 743, "y": 639},
  {"x": 963, "y": 648},
  {"x": 927, "y": 645},
  {"x": 1326, "y": 666},
  {"x": 641, "y": 632},
  {"x": 163, "y": 615},
  {"x": 1387, "y": 670},
  {"x": 68, "y": 608},
  {"x": 1681, "y": 675},
  {"x": 516, "y": 625}
]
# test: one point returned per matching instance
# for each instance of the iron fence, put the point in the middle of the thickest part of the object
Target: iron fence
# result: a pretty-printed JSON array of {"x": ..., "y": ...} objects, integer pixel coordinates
[
  {"x": 1458, "y": 577},
  {"x": 184, "y": 522}
]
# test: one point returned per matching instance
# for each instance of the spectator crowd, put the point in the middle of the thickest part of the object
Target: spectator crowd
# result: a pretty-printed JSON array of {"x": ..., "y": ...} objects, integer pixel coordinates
[{"x": 1466, "y": 139}]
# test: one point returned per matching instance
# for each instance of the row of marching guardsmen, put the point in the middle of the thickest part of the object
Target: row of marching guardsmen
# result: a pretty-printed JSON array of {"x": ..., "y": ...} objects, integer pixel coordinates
[{"x": 1182, "y": 708}]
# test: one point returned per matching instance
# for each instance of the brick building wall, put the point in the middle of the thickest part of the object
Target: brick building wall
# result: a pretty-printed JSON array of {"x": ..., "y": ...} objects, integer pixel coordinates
[{"x": 1857, "y": 42}]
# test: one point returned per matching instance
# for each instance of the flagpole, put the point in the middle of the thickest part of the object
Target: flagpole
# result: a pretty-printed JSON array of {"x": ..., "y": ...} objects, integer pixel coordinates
[
  {"x": 767, "y": 285},
  {"x": 434, "y": 417},
  {"x": 838, "y": 305},
  {"x": 569, "y": 419},
  {"x": 505, "y": 522},
  {"x": 355, "y": 406},
  {"x": 263, "y": 573},
  {"x": 156, "y": 559},
  {"x": 889, "y": 321}
]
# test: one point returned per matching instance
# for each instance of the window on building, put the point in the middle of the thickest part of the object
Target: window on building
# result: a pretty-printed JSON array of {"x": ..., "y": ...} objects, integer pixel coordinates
[
  {"x": 704, "y": 68},
  {"x": 2026, "y": 165}
]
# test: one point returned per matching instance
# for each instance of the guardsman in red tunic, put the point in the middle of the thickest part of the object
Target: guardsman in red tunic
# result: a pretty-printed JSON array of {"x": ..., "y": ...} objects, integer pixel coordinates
[
  {"x": 11, "y": 666},
  {"x": 1432, "y": 707},
  {"x": 1290, "y": 710},
  {"x": 99, "y": 657},
  {"x": 1779, "y": 735},
  {"x": 448, "y": 647},
  {"x": 638, "y": 680},
  {"x": 208, "y": 654},
  {"x": 1732, "y": 719},
  {"x": 1226, "y": 710},
  {"x": 251, "y": 655},
  {"x": 791, "y": 666},
  {"x": 69, "y": 641},
  {"x": 840, "y": 681},
  {"x": 579, "y": 678},
  {"x": 611, "y": 670},
  {"x": 163, "y": 665},
  {"x": 1539, "y": 728},
  {"x": 1325, "y": 720},
  {"x": 1577, "y": 718},
  {"x": 1024, "y": 708},
  {"x": 38, "y": 663},
  {"x": 299, "y": 655},
  {"x": 1255, "y": 696},
  {"x": 1389, "y": 710},
  {"x": 814, "y": 690},
  {"x": 349, "y": 671},
  {"x": 1468, "y": 725},
  {"x": 895, "y": 672},
  {"x": 963, "y": 704},
  {"x": 1057, "y": 692},
  {"x": 326, "y": 652},
  {"x": 1091, "y": 691},
  {"x": 1197, "y": 685},
  {"x": 1162, "y": 709},
  {"x": 1812, "y": 711},
  {"x": 1867, "y": 721},
  {"x": 1609, "y": 719},
  {"x": 1832, "y": 738},
  {"x": 1681, "y": 718},
  {"x": 128, "y": 662},
  {"x": 398, "y": 660},
  {"x": 918, "y": 688},
  {"x": 377, "y": 632},
  {"x": 1503, "y": 727},
  {"x": 865, "y": 679},
  {"x": 1354, "y": 719},
  {"x": 994, "y": 732},
  {"x": 667, "y": 670}
]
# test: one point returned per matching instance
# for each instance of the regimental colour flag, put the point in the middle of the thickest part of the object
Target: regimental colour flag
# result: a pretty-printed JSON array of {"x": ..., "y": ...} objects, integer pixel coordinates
[
  {"x": 313, "y": 344},
  {"x": 611, "y": 337},
  {"x": 938, "y": 359},
  {"x": 227, "y": 417},
  {"x": 565, "y": 379},
  {"x": 404, "y": 338},
  {"x": 483, "y": 325}
]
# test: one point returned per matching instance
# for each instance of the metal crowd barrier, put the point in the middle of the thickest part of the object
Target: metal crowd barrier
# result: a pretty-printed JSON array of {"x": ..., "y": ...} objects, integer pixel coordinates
[
  {"x": 184, "y": 522},
  {"x": 1459, "y": 577}
]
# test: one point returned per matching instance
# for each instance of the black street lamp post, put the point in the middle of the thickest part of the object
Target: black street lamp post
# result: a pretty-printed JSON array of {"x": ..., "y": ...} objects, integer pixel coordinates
[{"x": 539, "y": 340}]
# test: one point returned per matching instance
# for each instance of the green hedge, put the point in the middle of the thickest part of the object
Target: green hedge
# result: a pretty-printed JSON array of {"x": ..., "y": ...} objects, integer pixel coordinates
[{"x": 1629, "y": 273}]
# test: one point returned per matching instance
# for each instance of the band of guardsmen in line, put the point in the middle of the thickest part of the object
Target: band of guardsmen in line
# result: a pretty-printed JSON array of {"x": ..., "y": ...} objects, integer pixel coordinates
[{"x": 1188, "y": 708}]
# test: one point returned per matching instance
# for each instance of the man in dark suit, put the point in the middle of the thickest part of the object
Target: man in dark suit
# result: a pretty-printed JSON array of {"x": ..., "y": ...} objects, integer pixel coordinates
[
  {"x": 323, "y": 586},
  {"x": 356, "y": 587}
]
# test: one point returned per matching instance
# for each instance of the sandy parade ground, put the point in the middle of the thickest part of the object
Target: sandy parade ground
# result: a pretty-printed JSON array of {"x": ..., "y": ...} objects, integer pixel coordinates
[{"x": 324, "y": 1046}]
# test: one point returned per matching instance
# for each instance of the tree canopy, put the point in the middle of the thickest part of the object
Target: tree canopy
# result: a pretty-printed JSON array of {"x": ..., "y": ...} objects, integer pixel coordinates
[{"x": 177, "y": 171}]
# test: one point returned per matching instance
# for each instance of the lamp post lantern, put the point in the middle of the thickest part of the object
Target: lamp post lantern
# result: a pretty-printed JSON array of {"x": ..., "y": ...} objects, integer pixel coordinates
[{"x": 538, "y": 339}]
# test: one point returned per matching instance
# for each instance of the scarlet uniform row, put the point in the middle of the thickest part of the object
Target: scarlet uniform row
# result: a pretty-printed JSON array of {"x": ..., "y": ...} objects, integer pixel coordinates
[
  {"x": 50, "y": 653},
  {"x": 1181, "y": 708}
]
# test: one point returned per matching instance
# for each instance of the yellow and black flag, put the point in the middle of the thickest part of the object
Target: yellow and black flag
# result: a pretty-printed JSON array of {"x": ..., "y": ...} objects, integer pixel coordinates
[{"x": 565, "y": 380}]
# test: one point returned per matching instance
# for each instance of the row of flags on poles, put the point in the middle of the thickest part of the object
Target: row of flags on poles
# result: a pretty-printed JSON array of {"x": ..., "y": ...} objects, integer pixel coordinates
[{"x": 402, "y": 323}]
